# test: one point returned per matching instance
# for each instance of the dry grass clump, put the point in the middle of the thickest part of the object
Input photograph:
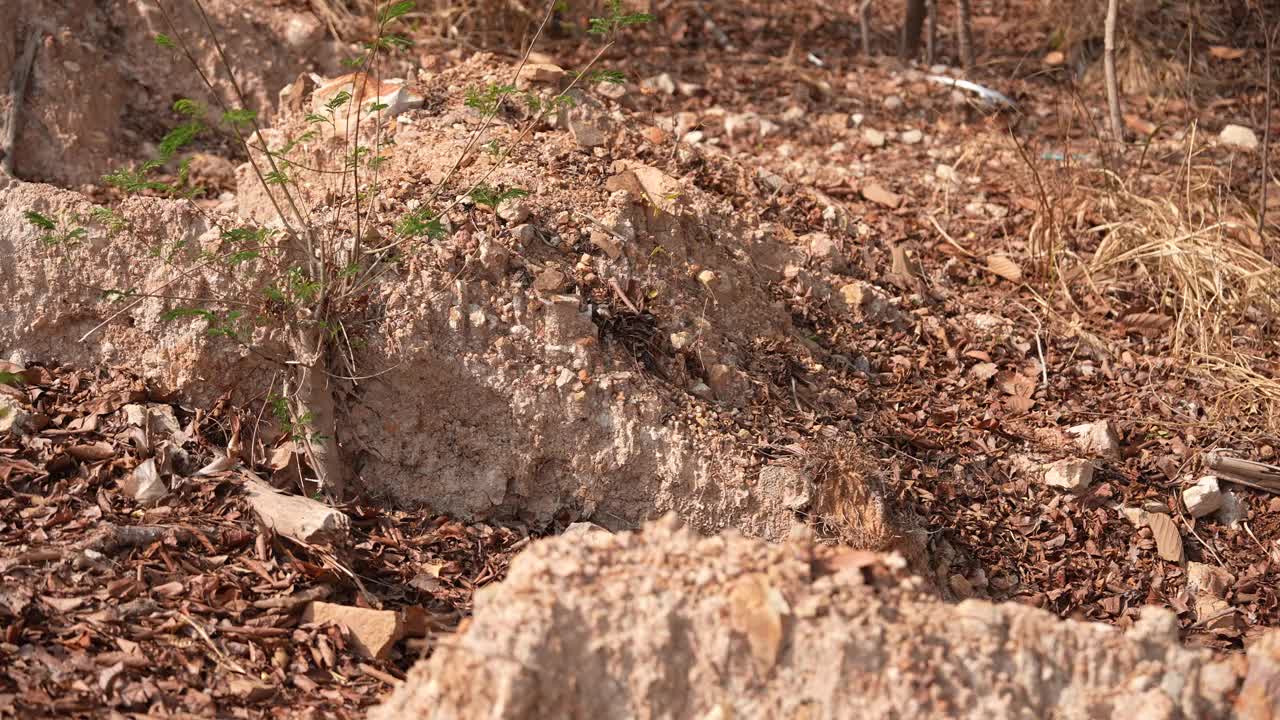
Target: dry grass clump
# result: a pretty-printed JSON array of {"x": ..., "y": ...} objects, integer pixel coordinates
[
  {"x": 1173, "y": 254},
  {"x": 1191, "y": 267},
  {"x": 852, "y": 506},
  {"x": 1161, "y": 46}
]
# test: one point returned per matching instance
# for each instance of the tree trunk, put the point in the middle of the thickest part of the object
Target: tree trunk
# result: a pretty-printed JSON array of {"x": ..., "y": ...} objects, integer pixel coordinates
[
  {"x": 864, "y": 25},
  {"x": 1109, "y": 58},
  {"x": 314, "y": 412},
  {"x": 911, "y": 30},
  {"x": 931, "y": 33},
  {"x": 964, "y": 34}
]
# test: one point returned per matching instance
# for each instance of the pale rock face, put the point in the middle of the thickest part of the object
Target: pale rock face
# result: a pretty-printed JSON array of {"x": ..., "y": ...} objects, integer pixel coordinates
[
  {"x": 1097, "y": 438},
  {"x": 1073, "y": 475},
  {"x": 1204, "y": 497},
  {"x": 665, "y": 623}
]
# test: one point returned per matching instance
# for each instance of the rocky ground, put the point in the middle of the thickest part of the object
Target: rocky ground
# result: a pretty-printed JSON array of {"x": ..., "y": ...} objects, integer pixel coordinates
[{"x": 769, "y": 286}]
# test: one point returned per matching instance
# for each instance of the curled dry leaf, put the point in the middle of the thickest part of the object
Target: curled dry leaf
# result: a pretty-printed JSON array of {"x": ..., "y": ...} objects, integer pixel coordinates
[
  {"x": 92, "y": 452},
  {"x": 983, "y": 371},
  {"x": 1168, "y": 541},
  {"x": 1003, "y": 266},
  {"x": 1222, "y": 52}
]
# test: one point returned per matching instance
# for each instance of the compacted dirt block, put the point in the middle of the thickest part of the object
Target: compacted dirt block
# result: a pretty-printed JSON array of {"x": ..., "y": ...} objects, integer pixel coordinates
[
  {"x": 101, "y": 90},
  {"x": 663, "y": 623}
]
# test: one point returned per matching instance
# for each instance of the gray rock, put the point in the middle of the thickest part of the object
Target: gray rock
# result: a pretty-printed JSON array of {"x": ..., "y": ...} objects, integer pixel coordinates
[{"x": 1238, "y": 136}]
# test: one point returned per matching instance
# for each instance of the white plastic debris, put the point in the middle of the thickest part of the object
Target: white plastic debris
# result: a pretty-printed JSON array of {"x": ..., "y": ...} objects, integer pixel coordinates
[{"x": 989, "y": 96}]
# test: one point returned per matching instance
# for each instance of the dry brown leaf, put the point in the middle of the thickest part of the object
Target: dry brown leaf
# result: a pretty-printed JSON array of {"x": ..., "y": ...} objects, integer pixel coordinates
[
  {"x": 1168, "y": 541},
  {"x": 1148, "y": 324},
  {"x": 1223, "y": 52},
  {"x": 92, "y": 453},
  {"x": 983, "y": 371},
  {"x": 62, "y": 604},
  {"x": 1139, "y": 125},
  {"x": 1004, "y": 267},
  {"x": 1019, "y": 404}
]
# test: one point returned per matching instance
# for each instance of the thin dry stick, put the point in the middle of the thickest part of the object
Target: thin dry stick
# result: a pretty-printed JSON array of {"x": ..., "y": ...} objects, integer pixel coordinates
[
  {"x": 219, "y": 656},
  {"x": 18, "y": 88},
  {"x": 1109, "y": 58},
  {"x": 1269, "y": 39}
]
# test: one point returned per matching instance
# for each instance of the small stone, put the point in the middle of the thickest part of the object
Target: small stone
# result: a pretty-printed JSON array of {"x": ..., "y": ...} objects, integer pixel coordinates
[
  {"x": 494, "y": 258},
  {"x": 709, "y": 278},
  {"x": 1071, "y": 474},
  {"x": 736, "y": 124},
  {"x": 545, "y": 73},
  {"x": 877, "y": 194},
  {"x": 513, "y": 211},
  {"x": 873, "y": 137},
  {"x": 702, "y": 390},
  {"x": 1137, "y": 516},
  {"x": 722, "y": 379},
  {"x": 660, "y": 83},
  {"x": 586, "y": 133},
  {"x": 1238, "y": 136},
  {"x": 693, "y": 137},
  {"x": 1233, "y": 509},
  {"x": 912, "y": 137},
  {"x": 767, "y": 128},
  {"x": 893, "y": 103},
  {"x": 302, "y": 30},
  {"x": 772, "y": 181},
  {"x": 869, "y": 303},
  {"x": 947, "y": 173},
  {"x": 1203, "y": 498},
  {"x": 688, "y": 89},
  {"x": 524, "y": 233},
  {"x": 581, "y": 528},
  {"x": 857, "y": 119},
  {"x": 565, "y": 377},
  {"x": 654, "y": 135},
  {"x": 681, "y": 340},
  {"x": 795, "y": 113},
  {"x": 607, "y": 243},
  {"x": 685, "y": 123},
  {"x": 13, "y": 417},
  {"x": 821, "y": 245},
  {"x": 961, "y": 586},
  {"x": 613, "y": 91},
  {"x": 550, "y": 280},
  {"x": 1097, "y": 438},
  {"x": 373, "y": 632}
]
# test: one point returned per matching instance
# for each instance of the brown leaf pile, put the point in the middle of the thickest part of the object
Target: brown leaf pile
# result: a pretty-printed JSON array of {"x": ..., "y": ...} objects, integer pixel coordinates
[{"x": 188, "y": 606}]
